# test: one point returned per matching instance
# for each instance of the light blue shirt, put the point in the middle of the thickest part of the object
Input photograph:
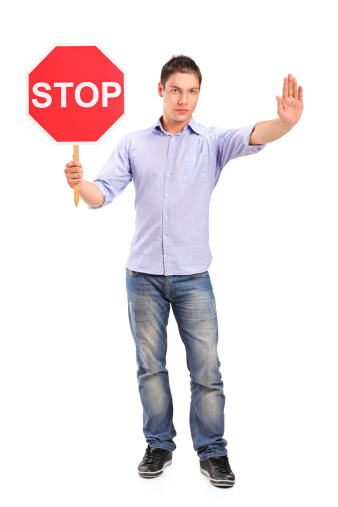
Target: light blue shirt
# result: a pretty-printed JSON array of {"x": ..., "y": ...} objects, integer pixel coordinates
[{"x": 174, "y": 177}]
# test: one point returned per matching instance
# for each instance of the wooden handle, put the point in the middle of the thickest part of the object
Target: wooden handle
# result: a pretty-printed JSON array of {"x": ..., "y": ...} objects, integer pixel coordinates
[{"x": 76, "y": 186}]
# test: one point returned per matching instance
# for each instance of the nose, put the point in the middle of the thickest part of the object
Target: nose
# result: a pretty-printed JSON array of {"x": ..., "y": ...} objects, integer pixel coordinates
[{"x": 183, "y": 99}]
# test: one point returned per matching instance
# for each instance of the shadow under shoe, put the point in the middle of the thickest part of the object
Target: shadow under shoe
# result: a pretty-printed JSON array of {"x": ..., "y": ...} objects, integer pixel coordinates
[
  {"x": 154, "y": 461},
  {"x": 217, "y": 468}
]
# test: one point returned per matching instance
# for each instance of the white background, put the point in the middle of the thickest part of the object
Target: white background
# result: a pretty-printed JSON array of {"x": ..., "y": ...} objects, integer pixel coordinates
[{"x": 71, "y": 418}]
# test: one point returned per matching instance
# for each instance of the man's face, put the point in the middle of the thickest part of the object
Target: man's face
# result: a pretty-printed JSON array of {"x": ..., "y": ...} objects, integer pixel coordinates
[{"x": 180, "y": 96}]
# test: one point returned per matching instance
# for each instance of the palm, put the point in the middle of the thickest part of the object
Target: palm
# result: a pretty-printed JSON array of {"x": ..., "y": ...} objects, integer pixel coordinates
[{"x": 290, "y": 106}]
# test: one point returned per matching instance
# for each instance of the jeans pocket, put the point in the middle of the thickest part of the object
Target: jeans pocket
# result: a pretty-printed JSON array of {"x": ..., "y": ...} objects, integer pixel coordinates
[
  {"x": 132, "y": 273},
  {"x": 204, "y": 274}
]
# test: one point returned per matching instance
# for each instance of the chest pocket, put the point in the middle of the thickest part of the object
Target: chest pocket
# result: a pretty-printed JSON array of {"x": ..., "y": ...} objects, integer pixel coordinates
[{"x": 196, "y": 168}]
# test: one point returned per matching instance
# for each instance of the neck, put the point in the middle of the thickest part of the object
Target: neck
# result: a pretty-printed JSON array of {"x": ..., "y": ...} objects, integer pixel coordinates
[{"x": 173, "y": 126}]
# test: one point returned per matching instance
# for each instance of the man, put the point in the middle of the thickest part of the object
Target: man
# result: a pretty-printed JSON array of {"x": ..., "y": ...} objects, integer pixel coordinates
[{"x": 175, "y": 166}]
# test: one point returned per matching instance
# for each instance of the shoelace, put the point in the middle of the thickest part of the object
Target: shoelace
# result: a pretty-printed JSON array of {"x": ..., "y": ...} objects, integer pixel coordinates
[
  {"x": 152, "y": 454},
  {"x": 221, "y": 464}
]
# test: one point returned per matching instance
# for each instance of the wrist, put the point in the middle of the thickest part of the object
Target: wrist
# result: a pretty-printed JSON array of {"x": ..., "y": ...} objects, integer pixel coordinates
[{"x": 286, "y": 124}]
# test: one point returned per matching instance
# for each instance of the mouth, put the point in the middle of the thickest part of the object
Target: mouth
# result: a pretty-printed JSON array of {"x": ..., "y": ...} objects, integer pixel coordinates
[{"x": 181, "y": 110}]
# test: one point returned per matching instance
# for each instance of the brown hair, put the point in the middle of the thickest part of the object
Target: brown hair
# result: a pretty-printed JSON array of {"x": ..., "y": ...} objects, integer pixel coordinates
[{"x": 182, "y": 64}]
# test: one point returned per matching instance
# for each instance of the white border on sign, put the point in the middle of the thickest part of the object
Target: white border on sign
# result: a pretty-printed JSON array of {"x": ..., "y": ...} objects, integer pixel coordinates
[{"x": 75, "y": 142}]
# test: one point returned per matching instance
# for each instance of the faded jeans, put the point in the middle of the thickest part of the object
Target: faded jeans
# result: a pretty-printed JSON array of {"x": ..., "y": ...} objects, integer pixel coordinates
[{"x": 194, "y": 308}]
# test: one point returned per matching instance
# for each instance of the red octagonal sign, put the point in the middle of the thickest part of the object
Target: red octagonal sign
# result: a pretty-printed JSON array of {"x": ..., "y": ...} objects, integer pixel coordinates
[{"x": 76, "y": 94}]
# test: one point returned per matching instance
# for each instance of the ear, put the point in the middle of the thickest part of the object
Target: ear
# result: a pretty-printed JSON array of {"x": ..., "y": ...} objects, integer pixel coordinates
[{"x": 160, "y": 89}]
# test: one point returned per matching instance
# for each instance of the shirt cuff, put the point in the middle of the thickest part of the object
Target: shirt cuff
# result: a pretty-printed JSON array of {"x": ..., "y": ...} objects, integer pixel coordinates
[
  {"x": 254, "y": 147},
  {"x": 103, "y": 192}
]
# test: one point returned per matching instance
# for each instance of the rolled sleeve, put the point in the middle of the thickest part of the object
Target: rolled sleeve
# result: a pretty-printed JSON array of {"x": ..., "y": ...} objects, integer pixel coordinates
[
  {"x": 234, "y": 143},
  {"x": 116, "y": 173},
  {"x": 102, "y": 189}
]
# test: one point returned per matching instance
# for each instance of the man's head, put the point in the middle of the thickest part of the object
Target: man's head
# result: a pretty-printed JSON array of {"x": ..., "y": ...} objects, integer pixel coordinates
[
  {"x": 182, "y": 64},
  {"x": 179, "y": 87}
]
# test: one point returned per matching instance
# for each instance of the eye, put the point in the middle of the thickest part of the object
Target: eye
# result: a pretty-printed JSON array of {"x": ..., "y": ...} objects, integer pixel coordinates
[
  {"x": 174, "y": 90},
  {"x": 193, "y": 92}
]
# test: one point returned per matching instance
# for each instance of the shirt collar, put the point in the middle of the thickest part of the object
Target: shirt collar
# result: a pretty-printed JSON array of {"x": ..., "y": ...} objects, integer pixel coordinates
[
  {"x": 192, "y": 124},
  {"x": 195, "y": 126}
]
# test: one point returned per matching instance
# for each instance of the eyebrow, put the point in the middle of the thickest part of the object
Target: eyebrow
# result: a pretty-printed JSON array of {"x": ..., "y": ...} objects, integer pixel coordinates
[{"x": 178, "y": 88}]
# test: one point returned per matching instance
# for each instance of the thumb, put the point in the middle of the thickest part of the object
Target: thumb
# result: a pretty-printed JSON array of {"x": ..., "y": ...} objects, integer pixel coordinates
[{"x": 279, "y": 100}]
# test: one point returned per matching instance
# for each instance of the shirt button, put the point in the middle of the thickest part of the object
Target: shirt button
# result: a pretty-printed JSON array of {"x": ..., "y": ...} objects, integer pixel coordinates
[
  {"x": 168, "y": 175},
  {"x": 170, "y": 155},
  {"x": 166, "y": 216},
  {"x": 165, "y": 236},
  {"x": 161, "y": 134},
  {"x": 166, "y": 195}
]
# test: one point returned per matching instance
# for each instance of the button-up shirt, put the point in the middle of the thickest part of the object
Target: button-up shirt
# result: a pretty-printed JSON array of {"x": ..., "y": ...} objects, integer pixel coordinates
[{"x": 174, "y": 177}]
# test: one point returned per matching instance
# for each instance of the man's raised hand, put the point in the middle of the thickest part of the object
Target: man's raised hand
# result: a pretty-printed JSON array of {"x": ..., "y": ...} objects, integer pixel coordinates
[{"x": 290, "y": 106}]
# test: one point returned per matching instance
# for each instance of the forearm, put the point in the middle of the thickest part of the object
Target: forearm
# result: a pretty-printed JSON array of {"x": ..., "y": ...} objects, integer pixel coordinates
[
  {"x": 91, "y": 194},
  {"x": 268, "y": 131}
]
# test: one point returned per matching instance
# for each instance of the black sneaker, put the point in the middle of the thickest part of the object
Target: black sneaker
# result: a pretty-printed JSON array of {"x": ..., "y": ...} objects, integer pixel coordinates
[
  {"x": 217, "y": 468},
  {"x": 154, "y": 461}
]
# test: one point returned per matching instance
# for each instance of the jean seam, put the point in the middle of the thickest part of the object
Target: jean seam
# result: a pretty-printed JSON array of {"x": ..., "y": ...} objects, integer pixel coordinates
[
  {"x": 193, "y": 403},
  {"x": 193, "y": 413}
]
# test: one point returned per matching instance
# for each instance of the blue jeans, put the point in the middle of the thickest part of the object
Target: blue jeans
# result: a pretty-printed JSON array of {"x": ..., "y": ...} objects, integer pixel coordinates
[{"x": 194, "y": 307}]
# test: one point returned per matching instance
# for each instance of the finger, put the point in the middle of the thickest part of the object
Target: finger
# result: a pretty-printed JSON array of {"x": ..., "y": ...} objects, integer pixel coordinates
[
  {"x": 295, "y": 88},
  {"x": 300, "y": 93},
  {"x": 73, "y": 163},
  {"x": 285, "y": 88},
  {"x": 74, "y": 173},
  {"x": 290, "y": 87}
]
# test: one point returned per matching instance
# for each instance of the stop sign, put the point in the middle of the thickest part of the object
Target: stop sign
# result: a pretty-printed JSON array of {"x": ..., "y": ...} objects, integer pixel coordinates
[{"x": 75, "y": 93}]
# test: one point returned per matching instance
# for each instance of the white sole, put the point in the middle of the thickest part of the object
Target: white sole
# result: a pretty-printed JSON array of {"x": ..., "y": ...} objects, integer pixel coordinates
[
  {"x": 155, "y": 474},
  {"x": 218, "y": 482}
]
